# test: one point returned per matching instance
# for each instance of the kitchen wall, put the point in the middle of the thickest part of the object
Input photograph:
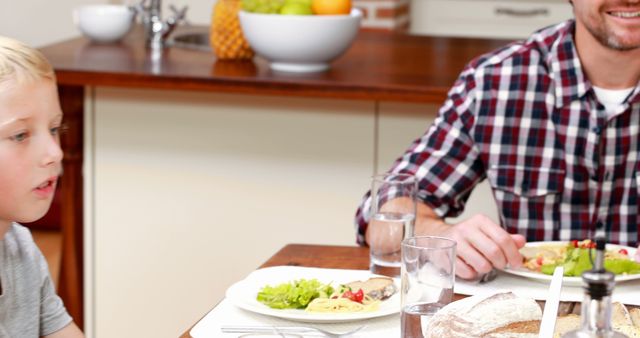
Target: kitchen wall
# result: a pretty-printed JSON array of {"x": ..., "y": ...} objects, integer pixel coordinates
[{"x": 39, "y": 22}]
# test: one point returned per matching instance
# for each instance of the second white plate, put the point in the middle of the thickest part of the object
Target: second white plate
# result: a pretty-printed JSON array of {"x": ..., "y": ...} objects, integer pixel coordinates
[
  {"x": 569, "y": 281},
  {"x": 243, "y": 293}
]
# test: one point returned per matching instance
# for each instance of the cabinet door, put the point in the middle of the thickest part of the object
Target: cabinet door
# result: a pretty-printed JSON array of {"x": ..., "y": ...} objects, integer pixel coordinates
[
  {"x": 399, "y": 124},
  {"x": 192, "y": 191},
  {"x": 515, "y": 19}
]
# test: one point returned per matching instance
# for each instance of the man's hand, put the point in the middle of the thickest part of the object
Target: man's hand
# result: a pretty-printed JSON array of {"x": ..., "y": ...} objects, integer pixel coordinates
[
  {"x": 637, "y": 256},
  {"x": 483, "y": 245}
]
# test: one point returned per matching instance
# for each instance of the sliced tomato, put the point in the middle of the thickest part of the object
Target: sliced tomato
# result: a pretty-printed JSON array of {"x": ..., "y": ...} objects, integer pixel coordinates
[
  {"x": 354, "y": 296},
  {"x": 623, "y": 251},
  {"x": 358, "y": 296}
]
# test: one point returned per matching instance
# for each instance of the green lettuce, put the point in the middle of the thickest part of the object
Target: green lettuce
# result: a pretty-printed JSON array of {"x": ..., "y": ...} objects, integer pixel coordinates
[
  {"x": 577, "y": 261},
  {"x": 296, "y": 294},
  {"x": 622, "y": 266}
]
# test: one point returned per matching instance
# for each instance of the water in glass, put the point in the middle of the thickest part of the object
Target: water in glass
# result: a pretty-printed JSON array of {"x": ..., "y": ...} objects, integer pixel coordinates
[
  {"x": 395, "y": 225},
  {"x": 415, "y": 317}
]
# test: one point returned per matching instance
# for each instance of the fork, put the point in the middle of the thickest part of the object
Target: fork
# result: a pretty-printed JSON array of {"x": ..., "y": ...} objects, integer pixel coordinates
[
  {"x": 487, "y": 277},
  {"x": 281, "y": 330}
]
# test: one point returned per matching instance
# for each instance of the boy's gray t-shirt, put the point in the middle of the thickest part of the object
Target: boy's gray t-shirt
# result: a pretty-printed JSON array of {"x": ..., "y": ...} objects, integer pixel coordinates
[{"x": 29, "y": 305}]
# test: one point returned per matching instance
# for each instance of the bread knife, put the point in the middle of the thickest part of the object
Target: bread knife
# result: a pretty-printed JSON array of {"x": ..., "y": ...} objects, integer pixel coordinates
[{"x": 550, "y": 313}]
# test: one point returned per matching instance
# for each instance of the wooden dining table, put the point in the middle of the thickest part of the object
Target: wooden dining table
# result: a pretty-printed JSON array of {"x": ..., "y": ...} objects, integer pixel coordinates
[{"x": 344, "y": 257}]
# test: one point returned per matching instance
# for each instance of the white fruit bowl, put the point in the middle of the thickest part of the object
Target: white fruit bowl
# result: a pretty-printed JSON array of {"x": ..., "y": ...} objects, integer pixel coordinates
[
  {"x": 300, "y": 43},
  {"x": 104, "y": 23}
]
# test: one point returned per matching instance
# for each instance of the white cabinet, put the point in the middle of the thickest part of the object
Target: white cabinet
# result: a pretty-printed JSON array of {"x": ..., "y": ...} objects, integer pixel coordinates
[
  {"x": 514, "y": 19},
  {"x": 190, "y": 191}
]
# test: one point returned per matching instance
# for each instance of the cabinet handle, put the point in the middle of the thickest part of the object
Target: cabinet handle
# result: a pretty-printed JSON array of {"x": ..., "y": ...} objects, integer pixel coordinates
[{"x": 521, "y": 13}]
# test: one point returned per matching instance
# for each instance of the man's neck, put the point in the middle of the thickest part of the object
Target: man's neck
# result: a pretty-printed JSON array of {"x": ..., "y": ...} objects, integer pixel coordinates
[{"x": 606, "y": 67}]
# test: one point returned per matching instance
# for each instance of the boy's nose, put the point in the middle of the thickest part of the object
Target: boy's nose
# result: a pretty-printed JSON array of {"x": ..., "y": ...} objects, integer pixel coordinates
[{"x": 53, "y": 152}]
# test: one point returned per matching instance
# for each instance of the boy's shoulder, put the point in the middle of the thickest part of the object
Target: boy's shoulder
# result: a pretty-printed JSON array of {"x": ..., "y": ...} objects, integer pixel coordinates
[
  {"x": 20, "y": 232},
  {"x": 19, "y": 238}
]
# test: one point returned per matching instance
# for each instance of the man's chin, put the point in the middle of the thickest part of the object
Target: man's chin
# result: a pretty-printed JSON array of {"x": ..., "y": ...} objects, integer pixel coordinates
[{"x": 621, "y": 45}]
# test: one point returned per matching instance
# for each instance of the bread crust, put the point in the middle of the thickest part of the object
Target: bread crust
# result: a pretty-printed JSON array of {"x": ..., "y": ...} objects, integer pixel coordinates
[{"x": 491, "y": 316}]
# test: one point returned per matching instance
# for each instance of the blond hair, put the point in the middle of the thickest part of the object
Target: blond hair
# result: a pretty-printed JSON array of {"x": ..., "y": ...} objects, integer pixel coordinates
[{"x": 20, "y": 62}]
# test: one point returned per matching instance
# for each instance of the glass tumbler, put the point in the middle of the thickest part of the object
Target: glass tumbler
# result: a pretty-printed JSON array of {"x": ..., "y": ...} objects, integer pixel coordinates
[
  {"x": 428, "y": 275},
  {"x": 392, "y": 216}
]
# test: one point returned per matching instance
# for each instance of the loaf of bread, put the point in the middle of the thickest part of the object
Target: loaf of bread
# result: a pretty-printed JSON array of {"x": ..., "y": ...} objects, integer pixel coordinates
[
  {"x": 622, "y": 320},
  {"x": 503, "y": 315},
  {"x": 491, "y": 316},
  {"x": 635, "y": 316},
  {"x": 565, "y": 324}
]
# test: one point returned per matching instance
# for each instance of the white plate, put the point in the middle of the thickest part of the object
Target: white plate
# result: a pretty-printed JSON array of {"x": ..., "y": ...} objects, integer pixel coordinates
[
  {"x": 569, "y": 281},
  {"x": 243, "y": 293}
]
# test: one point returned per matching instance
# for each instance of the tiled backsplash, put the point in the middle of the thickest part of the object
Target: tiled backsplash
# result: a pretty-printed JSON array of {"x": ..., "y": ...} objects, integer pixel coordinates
[{"x": 384, "y": 14}]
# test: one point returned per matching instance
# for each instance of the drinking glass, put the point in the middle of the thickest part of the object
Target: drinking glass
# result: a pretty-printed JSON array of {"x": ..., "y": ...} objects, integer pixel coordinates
[
  {"x": 392, "y": 215},
  {"x": 428, "y": 274}
]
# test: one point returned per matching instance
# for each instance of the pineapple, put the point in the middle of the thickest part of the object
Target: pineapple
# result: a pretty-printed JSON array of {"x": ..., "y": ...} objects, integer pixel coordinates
[{"x": 226, "y": 36}]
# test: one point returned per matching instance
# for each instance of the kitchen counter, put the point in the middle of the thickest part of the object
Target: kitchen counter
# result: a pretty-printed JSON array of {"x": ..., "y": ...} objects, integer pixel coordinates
[{"x": 378, "y": 66}]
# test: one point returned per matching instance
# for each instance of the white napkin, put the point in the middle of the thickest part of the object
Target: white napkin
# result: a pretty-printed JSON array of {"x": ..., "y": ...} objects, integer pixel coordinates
[
  {"x": 625, "y": 292},
  {"x": 227, "y": 314}
]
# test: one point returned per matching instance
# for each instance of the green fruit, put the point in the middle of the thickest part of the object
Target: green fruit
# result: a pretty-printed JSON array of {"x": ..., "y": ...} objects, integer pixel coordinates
[
  {"x": 304, "y": 2},
  {"x": 263, "y": 6},
  {"x": 296, "y": 8}
]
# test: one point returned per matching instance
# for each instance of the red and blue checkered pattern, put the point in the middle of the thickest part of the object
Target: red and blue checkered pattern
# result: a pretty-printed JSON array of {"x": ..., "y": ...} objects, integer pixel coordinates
[{"x": 526, "y": 118}]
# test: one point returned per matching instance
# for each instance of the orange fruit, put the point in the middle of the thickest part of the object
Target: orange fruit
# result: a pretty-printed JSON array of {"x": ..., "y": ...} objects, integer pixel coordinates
[{"x": 331, "y": 7}]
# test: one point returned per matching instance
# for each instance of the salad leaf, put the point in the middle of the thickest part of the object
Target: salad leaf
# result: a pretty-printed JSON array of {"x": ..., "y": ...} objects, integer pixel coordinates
[
  {"x": 577, "y": 261},
  {"x": 622, "y": 266},
  {"x": 296, "y": 294}
]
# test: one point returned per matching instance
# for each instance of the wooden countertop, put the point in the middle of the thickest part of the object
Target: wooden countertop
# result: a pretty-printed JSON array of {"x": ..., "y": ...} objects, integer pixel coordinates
[{"x": 380, "y": 66}]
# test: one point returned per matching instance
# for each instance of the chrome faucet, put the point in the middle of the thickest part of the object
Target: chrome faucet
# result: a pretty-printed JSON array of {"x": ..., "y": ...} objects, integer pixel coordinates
[{"x": 156, "y": 29}]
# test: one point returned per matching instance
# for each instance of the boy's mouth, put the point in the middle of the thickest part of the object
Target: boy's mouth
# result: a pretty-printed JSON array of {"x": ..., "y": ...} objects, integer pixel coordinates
[{"x": 47, "y": 187}]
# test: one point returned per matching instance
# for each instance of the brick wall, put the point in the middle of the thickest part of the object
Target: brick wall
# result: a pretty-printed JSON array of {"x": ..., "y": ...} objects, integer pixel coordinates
[{"x": 384, "y": 14}]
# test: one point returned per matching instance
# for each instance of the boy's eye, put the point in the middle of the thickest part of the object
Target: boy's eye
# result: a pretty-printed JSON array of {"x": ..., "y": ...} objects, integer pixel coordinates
[
  {"x": 59, "y": 129},
  {"x": 19, "y": 137}
]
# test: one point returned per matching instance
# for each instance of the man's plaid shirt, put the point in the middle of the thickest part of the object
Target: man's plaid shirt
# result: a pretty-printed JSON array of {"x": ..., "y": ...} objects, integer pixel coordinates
[{"x": 526, "y": 118}]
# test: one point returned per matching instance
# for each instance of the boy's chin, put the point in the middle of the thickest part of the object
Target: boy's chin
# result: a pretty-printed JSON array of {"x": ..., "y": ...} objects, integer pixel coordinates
[{"x": 32, "y": 215}]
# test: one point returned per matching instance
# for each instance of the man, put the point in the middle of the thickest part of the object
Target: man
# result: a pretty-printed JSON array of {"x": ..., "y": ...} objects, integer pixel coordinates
[{"x": 553, "y": 123}]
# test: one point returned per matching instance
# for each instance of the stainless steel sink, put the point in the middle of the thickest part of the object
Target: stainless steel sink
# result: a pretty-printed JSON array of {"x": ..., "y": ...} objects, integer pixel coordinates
[{"x": 198, "y": 40}]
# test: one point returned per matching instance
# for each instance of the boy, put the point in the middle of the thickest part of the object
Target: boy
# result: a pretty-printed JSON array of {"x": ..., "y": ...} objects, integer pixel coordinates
[{"x": 30, "y": 163}]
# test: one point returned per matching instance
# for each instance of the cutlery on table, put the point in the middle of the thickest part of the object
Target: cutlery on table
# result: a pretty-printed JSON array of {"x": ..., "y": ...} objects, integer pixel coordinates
[
  {"x": 550, "y": 313},
  {"x": 273, "y": 329},
  {"x": 487, "y": 277}
]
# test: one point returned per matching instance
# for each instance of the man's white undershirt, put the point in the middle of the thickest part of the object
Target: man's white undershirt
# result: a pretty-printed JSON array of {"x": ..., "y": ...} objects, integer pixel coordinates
[{"x": 612, "y": 99}]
